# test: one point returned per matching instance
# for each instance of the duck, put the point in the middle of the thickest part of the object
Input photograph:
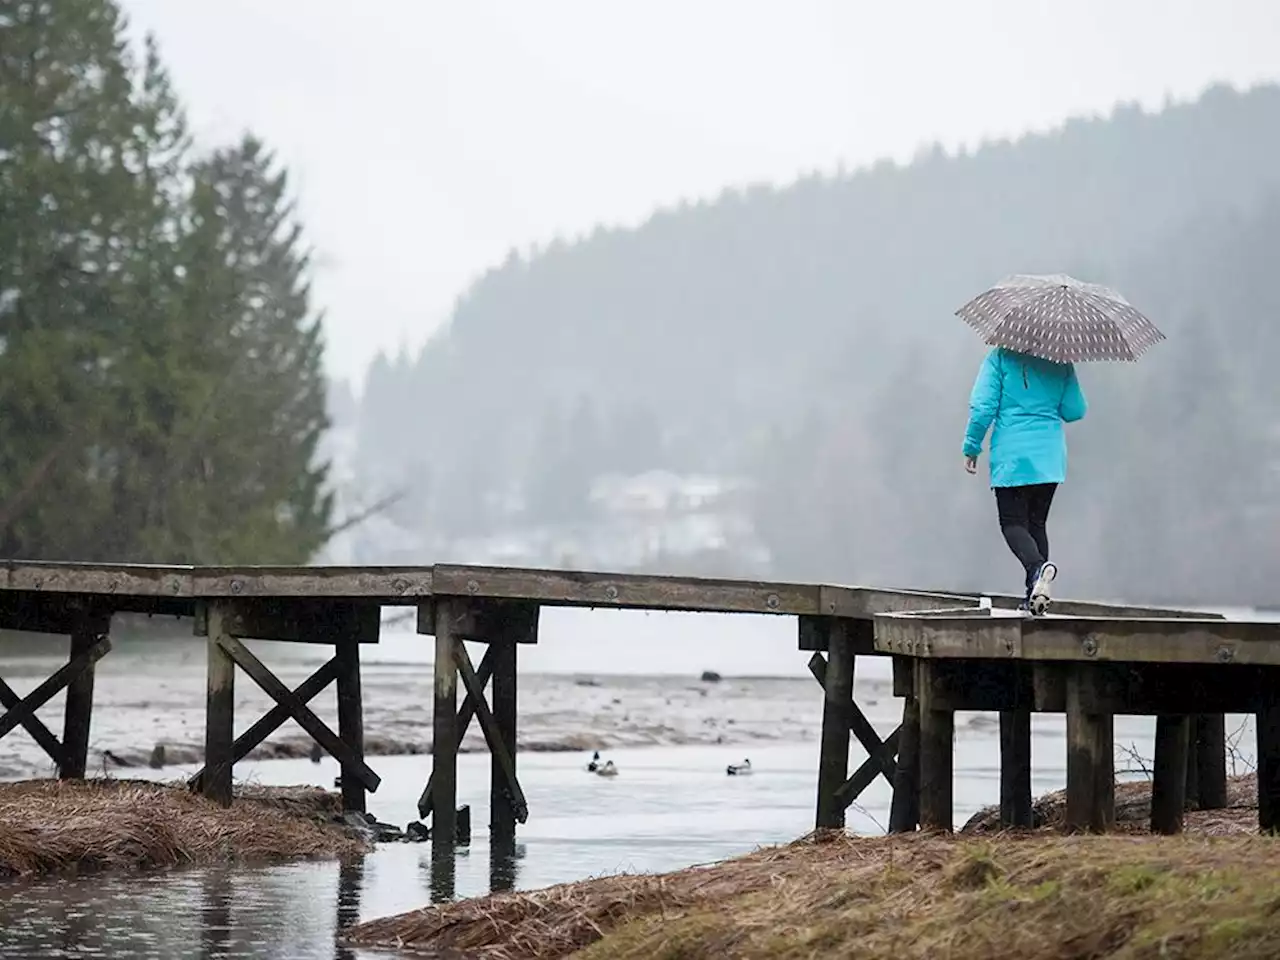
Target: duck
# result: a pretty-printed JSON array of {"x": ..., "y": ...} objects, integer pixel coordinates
[
  {"x": 739, "y": 769},
  {"x": 594, "y": 765},
  {"x": 608, "y": 770}
]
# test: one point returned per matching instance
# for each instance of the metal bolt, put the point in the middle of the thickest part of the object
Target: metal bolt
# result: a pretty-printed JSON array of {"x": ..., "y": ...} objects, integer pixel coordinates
[
  {"x": 1224, "y": 654},
  {"x": 473, "y": 587},
  {"x": 400, "y": 584},
  {"x": 611, "y": 592},
  {"x": 237, "y": 586},
  {"x": 772, "y": 601},
  {"x": 1090, "y": 647}
]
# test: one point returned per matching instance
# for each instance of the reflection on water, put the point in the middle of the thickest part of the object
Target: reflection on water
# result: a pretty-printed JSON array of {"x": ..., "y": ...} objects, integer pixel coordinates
[{"x": 669, "y": 808}]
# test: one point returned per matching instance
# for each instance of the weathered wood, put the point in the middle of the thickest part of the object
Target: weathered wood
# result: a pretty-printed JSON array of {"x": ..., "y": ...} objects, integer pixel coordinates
[
  {"x": 387, "y": 585},
  {"x": 33, "y": 725},
  {"x": 274, "y": 718},
  {"x": 220, "y": 705},
  {"x": 96, "y": 578},
  {"x": 352, "y": 765},
  {"x": 1210, "y": 756},
  {"x": 937, "y": 756},
  {"x": 882, "y": 760},
  {"x": 25, "y": 709},
  {"x": 502, "y": 758},
  {"x": 1267, "y": 722},
  {"x": 465, "y": 714},
  {"x": 444, "y": 743},
  {"x": 1087, "y": 608},
  {"x": 886, "y": 755},
  {"x": 1169, "y": 774},
  {"x": 58, "y": 613},
  {"x": 78, "y": 709},
  {"x": 633, "y": 591},
  {"x": 863, "y": 603},
  {"x": 833, "y": 755},
  {"x": 484, "y": 619},
  {"x": 1015, "y": 768},
  {"x": 350, "y": 717},
  {"x": 293, "y": 620},
  {"x": 1090, "y": 758},
  {"x": 813, "y": 635},
  {"x": 904, "y": 811},
  {"x": 504, "y": 809}
]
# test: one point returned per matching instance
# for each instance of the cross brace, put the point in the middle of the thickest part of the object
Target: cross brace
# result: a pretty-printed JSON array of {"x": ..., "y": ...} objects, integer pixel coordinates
[{"x": 881, "y": 754}]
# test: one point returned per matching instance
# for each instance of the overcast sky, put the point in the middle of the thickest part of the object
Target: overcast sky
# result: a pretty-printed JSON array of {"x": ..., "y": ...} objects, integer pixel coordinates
[{"x": 427, "y": 138}]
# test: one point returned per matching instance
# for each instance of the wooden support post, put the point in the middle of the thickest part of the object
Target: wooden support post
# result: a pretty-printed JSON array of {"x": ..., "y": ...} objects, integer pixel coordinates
[
  {"x": 904, "y": 812},
  {"x": 502, "y": 804},
  {"x": 444, "y": 746},
  {"x": 1015, "y": 768},
  {"x": 1091, "y": 775},
  {"x": 833, "y": 758},
  {"x": 350, "y": 718},
  {"x": 78, "y": 712},
  {"x": 937, "y": 741},
  {"x": 1268, "y": 730},
  {"x": 220, "y": 705},
  {"x": 503, "y": 762},
  {"x": 465, "y": 713},
  {"x": 1210, "y": 751},
  {"x": 1169, "y": 780}
]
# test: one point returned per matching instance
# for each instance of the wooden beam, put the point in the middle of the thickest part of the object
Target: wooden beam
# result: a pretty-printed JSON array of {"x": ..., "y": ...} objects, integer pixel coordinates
[
  {"x": 33, "y": 725},
  {"x": 504, "y": 808},
  {"x": 274, "y": 718},
  {"x": 220, "y": 707},
  {"x": 350, "y": 717},
  {"x": 352, "y": 765},
  {"x": 467, "y": 711},
  {"x": 1090, "y": 758},
  {"x": 96, "y": 578},
  {"x": 386, "y": 584},
  {"x": 1209, "y": 743},
  {"x": 863, "y": 603},
  {"x": 1267, "y": 722},
  {"x": 291, "y": 620},
  {"x": 78, "y": 709},
  {"x": 1169, "y": 777},
  {"x": 625, "y": 591},
  {"x": 858, "y": 723},
  {"x": 833, "y": 754},
  {"x": 904, "y": 811},
  {"x": 25, "y": 709},
  {"x": 492, "y": 735},
  {"x": 1015, "y": 768},
  {"x": 937, "y": 756},
  {"x": 486, "y": 618},
  {"x": 444, "y": 741}
]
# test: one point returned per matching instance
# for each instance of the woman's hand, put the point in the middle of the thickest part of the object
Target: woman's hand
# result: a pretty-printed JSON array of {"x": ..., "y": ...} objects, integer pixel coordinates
[{"x": 970, "y": 464}]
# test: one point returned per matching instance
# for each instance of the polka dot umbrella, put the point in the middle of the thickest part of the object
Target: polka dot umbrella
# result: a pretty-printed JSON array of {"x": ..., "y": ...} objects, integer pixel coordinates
[{"x": 1057, "y": 317}]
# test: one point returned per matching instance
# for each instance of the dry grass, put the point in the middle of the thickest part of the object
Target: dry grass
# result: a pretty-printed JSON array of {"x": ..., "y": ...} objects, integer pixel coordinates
[
  {"x": 53, "y": 827},
  {"x": 1034, "y": 896}
]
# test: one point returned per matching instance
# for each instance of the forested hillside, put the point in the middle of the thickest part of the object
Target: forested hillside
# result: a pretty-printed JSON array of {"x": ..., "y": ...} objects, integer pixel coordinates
[{"x": 802, "y": 339}]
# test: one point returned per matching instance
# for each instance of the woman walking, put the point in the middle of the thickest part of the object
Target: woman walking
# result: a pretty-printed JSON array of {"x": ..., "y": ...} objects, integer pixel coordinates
[{"x": 1024, "y": 401}]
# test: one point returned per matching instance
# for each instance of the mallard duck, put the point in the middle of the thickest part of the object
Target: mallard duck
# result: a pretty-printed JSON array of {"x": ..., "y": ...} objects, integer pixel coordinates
[
  {"x": 739, "y": 769},
  {"x": 608, "y": 770},
  {"x": 594, "y": 765}
]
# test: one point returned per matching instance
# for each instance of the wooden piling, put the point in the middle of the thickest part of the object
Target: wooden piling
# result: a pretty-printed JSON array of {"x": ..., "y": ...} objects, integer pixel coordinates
[
  {"x": 904, "y": 811},
  {"x": 1169, "y": 778},
  {"x": 350, "y": 718},
  {"x": 1015, "y": 768},
  {"x": 1268, "y": 731},
  {"x": 1090, "y": 755},
  {"x": 937, "y": 756},
  {"x": 78, "y": 713},
  {"x": 444, "y": 744},
  {"x": 833, "y": 756},
  {"x": 502, "y": 808},
  {"x": 219, "y": 729},
  {"x": 1209, "y": 748}
]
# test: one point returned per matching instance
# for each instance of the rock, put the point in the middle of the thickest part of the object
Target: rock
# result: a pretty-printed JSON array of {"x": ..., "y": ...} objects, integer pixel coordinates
[
  {"x": 386, "y": 832},
  {"x": 710, "y": 676},
  {"x": 156, "y": 760},
  {"x": 357, "y": 824},
  {"x": 587, "y": 682},
  {"x": 316, "y": 753},
  {"x": 416, "y": 832},
  {"x": 463, "y": 832}
]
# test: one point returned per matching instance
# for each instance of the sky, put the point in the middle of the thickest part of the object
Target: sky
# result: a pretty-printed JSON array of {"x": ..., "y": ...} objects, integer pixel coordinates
[{"x": 426, "y": 139}]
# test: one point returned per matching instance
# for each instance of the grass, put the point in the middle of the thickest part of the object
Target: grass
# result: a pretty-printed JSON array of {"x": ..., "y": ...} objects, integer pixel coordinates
[
  {"x": 47, "y": 826},
  {"x": 1031, "y": 896}
]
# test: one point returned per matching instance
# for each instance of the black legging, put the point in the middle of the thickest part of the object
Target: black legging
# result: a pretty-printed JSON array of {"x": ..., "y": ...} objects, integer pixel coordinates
[{"x": 1024, "y": 511}]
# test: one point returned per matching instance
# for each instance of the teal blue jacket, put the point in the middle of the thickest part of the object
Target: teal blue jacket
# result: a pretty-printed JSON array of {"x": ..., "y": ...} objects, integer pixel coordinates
[{"x": 1028, "y": 400}]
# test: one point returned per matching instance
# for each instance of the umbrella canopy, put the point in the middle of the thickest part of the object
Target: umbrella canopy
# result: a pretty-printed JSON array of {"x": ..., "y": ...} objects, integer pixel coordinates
[{"x": 1057, "y": 317}]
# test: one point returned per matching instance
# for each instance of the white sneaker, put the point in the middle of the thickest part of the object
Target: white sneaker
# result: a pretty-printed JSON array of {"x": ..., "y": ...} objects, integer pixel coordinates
[{"x": 1040, "y": 598}]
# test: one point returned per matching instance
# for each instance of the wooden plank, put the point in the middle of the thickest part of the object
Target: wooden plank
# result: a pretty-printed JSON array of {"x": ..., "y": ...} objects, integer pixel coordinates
[
  {"x": 96, "y": 578},
  {"x": 1267, "y": 723},
  {"x": 1210, "y": 755},
  {"x": 57, "y": 613},
  {"x": 492, "y": 735},
  {"x": 833, "y": 751},
  {"x": 78, "y": 709},
  {"x": 21, "y": 712},
  {"x": 1087, "y": 608},
  {"x": 352, "y": 765},
  {"x": 33, "y": 725},
  {"x": 292, "y": 620},
  {"x": 1090, "y": 758},
  {"x": 959, "y": 636},
  {"x": 389, "y": 585},
  {"x": 1169, "y": 774},
  {"x": 864, "y": 603},
  {"x": 444, "y": 741},
  {"x": 274, "y": 718},
  {"x": 904, "y": 811},
  {"x": 467, "y": 711},
  {"x": 626, "y": 591},
  {"x": 220, "y": 707},
  {"x": 937, "y": 755},
  {"x": 503, "y": 808},
  {"x": 1015, "y": 768},
  {"x": 350, "y": 716}
]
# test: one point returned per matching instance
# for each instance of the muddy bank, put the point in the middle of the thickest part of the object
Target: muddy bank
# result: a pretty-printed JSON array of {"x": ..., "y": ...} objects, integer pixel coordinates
[
  {"x": 1037, "y": 896},
  {"x": 47, "y": 826}
]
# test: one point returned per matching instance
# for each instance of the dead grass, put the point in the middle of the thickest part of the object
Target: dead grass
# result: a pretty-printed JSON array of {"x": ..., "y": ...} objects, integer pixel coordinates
[
  {"x": 1033, "y": 896},
  {"x": 54, "y": 827}
]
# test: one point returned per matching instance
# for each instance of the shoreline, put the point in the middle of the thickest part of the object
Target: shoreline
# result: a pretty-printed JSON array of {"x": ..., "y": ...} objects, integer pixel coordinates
[{"x": 51, "y": 827}]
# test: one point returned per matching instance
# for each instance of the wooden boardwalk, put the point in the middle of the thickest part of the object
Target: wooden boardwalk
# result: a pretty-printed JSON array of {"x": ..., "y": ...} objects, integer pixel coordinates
[{"x": 1089, "y": 660}]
